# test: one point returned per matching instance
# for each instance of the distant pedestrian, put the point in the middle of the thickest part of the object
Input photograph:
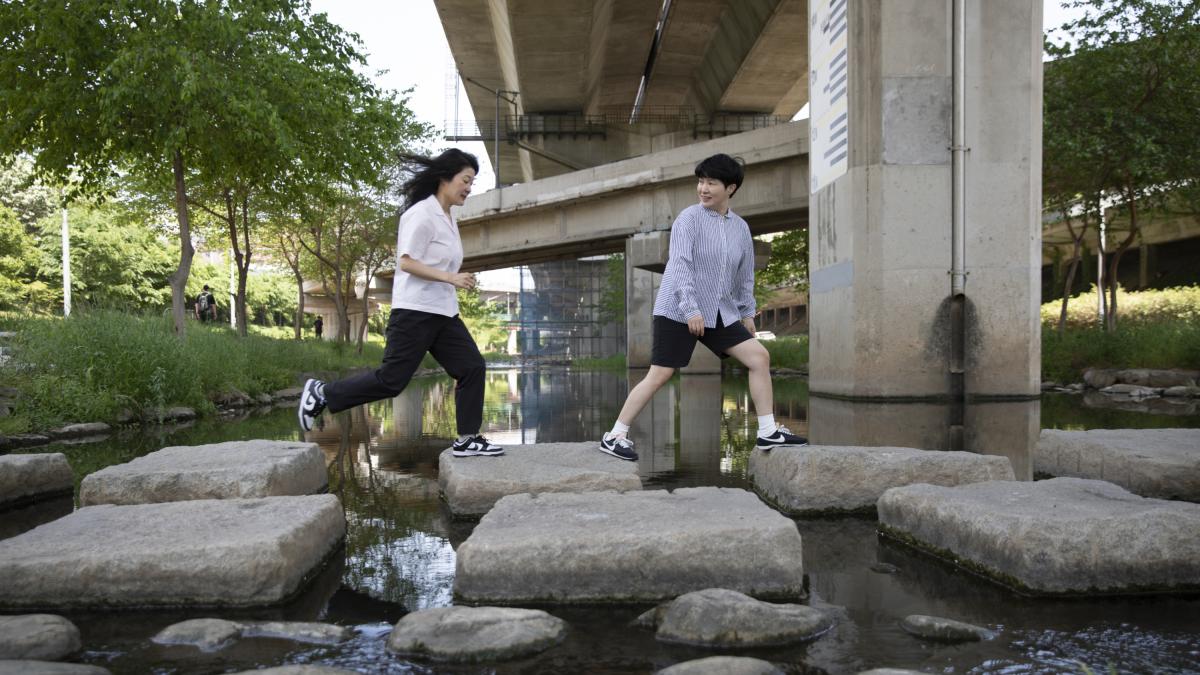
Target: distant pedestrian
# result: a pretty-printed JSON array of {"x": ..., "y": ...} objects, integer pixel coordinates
[
  {"x": 706, "y": 296},
  {"x": 319, "y": 327},
  {"x": 424, "y": 315},
  {"x": 206, "y": 305}
]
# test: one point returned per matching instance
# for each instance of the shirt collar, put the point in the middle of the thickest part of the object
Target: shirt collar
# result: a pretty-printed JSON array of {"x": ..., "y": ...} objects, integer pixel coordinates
[{"x": 728, "y": 213}]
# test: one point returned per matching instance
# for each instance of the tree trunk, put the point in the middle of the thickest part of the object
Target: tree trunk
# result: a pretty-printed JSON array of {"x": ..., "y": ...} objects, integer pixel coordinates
[
  {"x": 1115, "y": 262},
  {"x": 179, "y": 277},
  {"x": 1069, "y": 282},
  {"x": 293, "y": 262}
]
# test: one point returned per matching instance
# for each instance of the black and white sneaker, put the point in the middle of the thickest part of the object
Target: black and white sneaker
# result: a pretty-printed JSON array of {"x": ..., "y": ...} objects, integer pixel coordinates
[
  {"x": 312, "y": 402},
  {"x": 781, "y": 437},
  {"x": 476, "y": 446},
  {"x": 621, "y": 448}
]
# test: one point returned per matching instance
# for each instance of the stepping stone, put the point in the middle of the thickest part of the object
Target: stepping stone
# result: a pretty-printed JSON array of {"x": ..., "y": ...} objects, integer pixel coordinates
[
  {"x": 472, "y": 634},
  {"x": 1162, "y": 463},
  {"x": 1059, "y": 536},
  {"x": 233, "y": 470},
  {"x": 43, "y": 637},
  {"x": 723, "y": 665},
  {"x": 26, "y": 667},
  {"x": 205, "y": 553},
  {"x": 214, "y": 634},
  {"x": 28, "y": 478},
  {"x": 80, "y": 430},
  {"x": 631, "y": 546},
  {"x": 472, "y": 485},
  {"x": 944, "y": 630},
  {"x": 718, "y": 617},
  {"x": 827, "y": 479}
]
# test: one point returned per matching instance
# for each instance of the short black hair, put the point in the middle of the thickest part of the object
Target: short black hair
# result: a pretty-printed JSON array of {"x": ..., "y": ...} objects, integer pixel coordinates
[
  {"x": 206, "y": 287},
  {"x": 722, "y": 167}
]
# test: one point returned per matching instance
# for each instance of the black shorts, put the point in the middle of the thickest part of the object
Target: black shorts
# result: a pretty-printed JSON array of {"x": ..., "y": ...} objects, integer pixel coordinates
[{"x": 673, "y": 344}]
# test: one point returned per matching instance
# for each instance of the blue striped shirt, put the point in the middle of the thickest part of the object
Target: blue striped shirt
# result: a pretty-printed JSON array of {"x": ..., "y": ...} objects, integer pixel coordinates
[{"x": 710, "y": 268}]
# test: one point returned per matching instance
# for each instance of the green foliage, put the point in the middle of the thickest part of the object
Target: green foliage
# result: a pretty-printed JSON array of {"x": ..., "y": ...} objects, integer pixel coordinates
[
  {"x": 612, "y": 295},
  {"x": 482, "y": 319},
  {"x": 788, "y": 266},
  {"x": 92, "y": 365},
  {"x": 16, "y": 266},
  {"x": 1168, "y": 305},
  {"x": 1161, "y": 329},
  {"x": 20, "y": 191},
  {"x": 115, "y": 263},
  {"x": 1122, "y": 115}
]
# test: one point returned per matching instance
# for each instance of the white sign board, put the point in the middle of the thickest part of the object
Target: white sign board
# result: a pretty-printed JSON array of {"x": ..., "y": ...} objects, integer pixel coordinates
[{"x": 829, "y": 61}]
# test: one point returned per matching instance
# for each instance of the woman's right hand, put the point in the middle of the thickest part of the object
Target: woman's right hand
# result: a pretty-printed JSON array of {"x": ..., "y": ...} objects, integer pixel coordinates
[
  {"x": 696, "y": 325},
  {"x": 462, "y": 280}
]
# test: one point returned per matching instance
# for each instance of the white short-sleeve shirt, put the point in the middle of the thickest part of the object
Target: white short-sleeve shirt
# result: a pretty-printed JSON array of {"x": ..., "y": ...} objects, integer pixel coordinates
[{"x": 429, "y": 236}]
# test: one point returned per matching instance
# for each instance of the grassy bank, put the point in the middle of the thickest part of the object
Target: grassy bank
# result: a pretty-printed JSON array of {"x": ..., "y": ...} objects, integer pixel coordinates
[
  {"x": 1156, "y": 329},
  {"x": 90, "y": 367}
]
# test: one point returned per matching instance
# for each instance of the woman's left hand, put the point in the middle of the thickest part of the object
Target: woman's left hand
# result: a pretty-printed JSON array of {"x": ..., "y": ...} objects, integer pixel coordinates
[{"x": 748, "y": 322}]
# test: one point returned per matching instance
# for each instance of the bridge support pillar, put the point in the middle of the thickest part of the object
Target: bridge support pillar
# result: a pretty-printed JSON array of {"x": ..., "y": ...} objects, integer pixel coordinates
[{"x": 885, "y": 323}]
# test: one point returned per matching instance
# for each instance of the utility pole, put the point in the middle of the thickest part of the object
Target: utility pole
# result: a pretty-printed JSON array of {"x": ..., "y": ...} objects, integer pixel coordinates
[
  {"x": 66, "y": 263},
  {"x": 232, "y": 292}
]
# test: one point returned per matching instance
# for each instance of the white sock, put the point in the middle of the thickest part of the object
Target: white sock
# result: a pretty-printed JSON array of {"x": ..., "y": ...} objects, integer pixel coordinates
[
  {"x": 766, "y": 425},
  {"x": 619, "y": 429},
  {"x": 463, "y": 438}
]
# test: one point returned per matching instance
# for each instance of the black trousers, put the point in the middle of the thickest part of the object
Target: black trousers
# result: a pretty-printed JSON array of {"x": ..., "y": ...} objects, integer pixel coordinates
[{"x": 411, "y": 333}]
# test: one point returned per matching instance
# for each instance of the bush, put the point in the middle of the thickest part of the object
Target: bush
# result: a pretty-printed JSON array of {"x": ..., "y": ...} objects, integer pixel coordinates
[
  {"x": 90, "y": 366},
  {"x": 1179, "y": 304}
]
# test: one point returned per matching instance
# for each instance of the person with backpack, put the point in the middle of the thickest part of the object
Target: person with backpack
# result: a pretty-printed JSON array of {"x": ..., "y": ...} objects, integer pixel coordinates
[
  {"x": 206, "y": 305},
  {"x": 319, "y": 327},
  {"x": 706, "y": 296},
  {"x": 424, "y": 315}
]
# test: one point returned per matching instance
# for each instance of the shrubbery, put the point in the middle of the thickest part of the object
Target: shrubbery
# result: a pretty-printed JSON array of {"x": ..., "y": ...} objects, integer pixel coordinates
[
  {"x": 91, "y": 366},
  {"x": 1156, "y": 329}
]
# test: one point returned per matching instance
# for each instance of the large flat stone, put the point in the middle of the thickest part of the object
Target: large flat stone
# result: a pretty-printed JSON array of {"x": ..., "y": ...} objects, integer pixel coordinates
[
  {"x": 206, "y": 553},
  {"x": 631, "y": 546},
  {"x": 1162, "y": 463},
  {"x": 472, "y": 485},
  {"x": 233, "y": 470},
  {"x": 1058, "y": 536},
  {"x": 829, "y": 479},
  {"x": 26, "y": 478}
]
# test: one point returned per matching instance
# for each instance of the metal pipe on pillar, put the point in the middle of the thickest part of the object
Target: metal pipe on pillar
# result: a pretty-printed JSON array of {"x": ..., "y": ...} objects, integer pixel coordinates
[{"x": 958, "y": 248}]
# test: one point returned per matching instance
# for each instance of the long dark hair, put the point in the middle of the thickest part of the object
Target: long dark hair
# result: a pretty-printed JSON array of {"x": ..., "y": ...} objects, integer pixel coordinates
[{"x": 429, "y": 172}]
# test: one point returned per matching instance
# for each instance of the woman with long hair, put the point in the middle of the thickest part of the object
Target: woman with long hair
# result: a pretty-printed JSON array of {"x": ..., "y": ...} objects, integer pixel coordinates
[{"x": 424, "y": 314}]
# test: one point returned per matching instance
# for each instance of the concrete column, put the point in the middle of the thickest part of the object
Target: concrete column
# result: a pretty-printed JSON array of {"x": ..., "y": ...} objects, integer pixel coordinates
[
  {"x": 882, "y": 324},
  {"x": 700, "y": 421},
  {"x": 645, "y": 260}
]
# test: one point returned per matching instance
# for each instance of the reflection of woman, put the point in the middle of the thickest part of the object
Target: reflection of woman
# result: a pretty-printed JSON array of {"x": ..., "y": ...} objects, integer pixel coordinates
[
  {"x": 706, "y": 296},
  {"x": 424, "y": 314}
]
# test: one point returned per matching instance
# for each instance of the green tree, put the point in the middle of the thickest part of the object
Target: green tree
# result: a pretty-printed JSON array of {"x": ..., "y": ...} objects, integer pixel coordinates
[
  {"x": 116, "y": 262},
  {"x": 787, "y": 267},
  {"x": 17, "y": 268},
  {"x": 237, "y": 95},
  {"x": 1123, "y": 112}
]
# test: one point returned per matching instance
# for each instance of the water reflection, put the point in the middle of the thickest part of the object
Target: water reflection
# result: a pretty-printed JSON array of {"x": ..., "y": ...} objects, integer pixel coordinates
[
  {"x": 1009, "y": 429},
  {"x": 698, "y": 430}
]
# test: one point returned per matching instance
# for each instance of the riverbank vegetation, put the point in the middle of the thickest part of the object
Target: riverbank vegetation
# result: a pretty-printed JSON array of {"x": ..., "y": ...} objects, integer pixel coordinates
[
  {"x": 1159, "y": 329},
  {"x": 92, "y": 367}
]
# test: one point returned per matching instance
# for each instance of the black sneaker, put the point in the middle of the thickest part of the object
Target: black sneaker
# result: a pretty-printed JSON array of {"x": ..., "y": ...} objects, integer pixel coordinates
[
  {"x": 476, "y": 446},
  {"x": 781, "y": 437},
  {"x": 311, "y": 404},
  {"x": 621, "y": 448}
]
